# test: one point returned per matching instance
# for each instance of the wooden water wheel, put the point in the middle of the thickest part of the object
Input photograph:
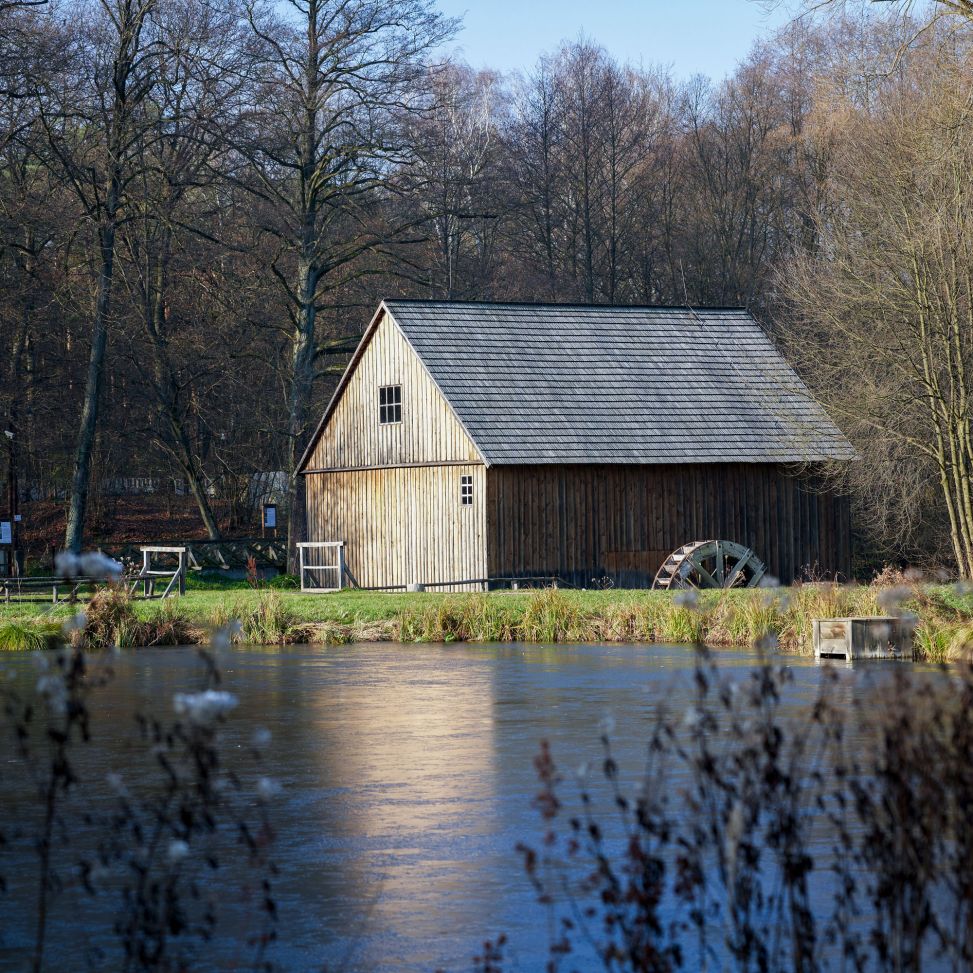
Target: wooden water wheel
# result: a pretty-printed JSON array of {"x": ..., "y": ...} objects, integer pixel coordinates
[{"x": 710, "y": 564}]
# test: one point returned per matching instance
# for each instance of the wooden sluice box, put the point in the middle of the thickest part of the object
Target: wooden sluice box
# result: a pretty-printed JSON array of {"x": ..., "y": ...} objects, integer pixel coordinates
[{"x": 881, "y": 637}]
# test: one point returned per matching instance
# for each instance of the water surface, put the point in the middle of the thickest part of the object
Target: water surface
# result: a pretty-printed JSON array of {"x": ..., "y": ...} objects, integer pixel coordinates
[{"x": 407, "y": 781}]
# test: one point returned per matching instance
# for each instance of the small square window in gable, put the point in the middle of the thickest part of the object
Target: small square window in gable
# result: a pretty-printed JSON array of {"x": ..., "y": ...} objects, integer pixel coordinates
[{"x": 389, "y": 404}]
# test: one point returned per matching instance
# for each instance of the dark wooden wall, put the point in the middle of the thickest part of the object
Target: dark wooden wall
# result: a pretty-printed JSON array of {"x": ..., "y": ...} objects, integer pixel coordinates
[{"x": 582, "y": 523}]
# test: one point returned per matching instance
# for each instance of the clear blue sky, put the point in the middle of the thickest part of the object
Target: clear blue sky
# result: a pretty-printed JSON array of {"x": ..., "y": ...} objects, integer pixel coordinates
[{"x": 692, "y": 36}]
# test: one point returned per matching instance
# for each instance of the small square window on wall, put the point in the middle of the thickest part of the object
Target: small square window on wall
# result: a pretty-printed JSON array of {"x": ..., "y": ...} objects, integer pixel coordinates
[
  {"x": 466, "y": 490},
  {"x": 389, "y": 404}
]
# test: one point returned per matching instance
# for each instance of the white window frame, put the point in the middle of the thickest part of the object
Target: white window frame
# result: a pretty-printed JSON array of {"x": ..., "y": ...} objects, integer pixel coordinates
[{"x": 466, "y": 490}]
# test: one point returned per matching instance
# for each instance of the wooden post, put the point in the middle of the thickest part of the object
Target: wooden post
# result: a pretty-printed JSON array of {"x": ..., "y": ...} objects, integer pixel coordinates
[
  {"x": 182, "y": 572},
  {"x": 341, "y": 565},
  {"x": 300, "y": 554},
  {"x": 146, "y": 560}
]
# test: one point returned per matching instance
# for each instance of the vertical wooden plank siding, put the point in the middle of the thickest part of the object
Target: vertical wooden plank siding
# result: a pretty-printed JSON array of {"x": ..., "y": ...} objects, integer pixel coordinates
[
  {"x": 428, "y": 433},
  {"x": 392, "y": 493},
  {"x": 404, "y": 525},
  {"x": 585, "y": 523}
]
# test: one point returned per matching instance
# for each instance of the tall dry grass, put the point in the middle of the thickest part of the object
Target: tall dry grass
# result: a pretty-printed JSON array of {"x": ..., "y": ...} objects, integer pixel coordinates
[
  {"x": 943, "y": 618},
  {"x": 716, "y": 618}
]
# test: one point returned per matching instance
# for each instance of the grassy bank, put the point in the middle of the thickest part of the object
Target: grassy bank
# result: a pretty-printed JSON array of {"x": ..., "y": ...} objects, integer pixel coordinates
[{"x": 944, "y": 617}]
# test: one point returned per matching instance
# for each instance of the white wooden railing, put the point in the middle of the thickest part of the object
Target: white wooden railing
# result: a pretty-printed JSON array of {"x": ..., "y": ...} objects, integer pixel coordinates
[
  {"x": 326, "y": 576},
  {"x": 150, "y": 573}
]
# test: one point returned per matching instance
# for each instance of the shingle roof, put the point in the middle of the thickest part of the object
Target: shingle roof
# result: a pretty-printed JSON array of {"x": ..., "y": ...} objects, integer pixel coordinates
[{"x": 594, "y": 384}]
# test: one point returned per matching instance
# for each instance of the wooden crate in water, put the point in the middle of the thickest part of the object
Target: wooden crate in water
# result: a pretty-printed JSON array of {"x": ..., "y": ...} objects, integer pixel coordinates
[{"x": 876, "y": 637}]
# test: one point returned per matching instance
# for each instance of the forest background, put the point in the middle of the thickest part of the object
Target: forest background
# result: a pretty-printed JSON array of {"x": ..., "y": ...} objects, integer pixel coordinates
[{"x": 201, "y": 205}]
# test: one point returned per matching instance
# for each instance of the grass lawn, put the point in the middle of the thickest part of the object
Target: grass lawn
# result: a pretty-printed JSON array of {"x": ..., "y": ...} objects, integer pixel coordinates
[
  {"x": 207, "y": 598},
  {"x": 944, "y": 616}
]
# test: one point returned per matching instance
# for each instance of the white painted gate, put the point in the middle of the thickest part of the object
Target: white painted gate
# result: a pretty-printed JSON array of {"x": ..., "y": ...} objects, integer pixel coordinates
[{"x": 322, "y": 565}]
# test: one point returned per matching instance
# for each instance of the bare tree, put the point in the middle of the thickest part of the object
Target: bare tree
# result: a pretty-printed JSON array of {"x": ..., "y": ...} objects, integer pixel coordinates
[
  {"x": 533, "y": 144},
  {"x": 581, "y": 146},
  {"x": 322, "y": 144},
  {"x": 91, "y": 113},
  {"x": 933, "y": 9},
  {"x": 217, "y": 208},
  {"x": 735, "y": 155},
  {"x": 457, "y": 180},
  {"x": 886, "y": 303},
  {"x": 26, "y": 49},
  {"x": 199, "y": 64},
  {"x": 30, "y": 234}
]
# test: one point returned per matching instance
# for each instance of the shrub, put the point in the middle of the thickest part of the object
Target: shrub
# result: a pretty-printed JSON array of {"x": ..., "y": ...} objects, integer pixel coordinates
[
  {"x": 759, "y": 840},
  {"x": 157, "y": 839},
  {"x": 108, "y": 617}
]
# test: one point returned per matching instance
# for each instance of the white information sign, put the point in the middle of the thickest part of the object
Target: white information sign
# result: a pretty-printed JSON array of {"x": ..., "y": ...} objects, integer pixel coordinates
[
  {"x": 270, "y": 515},
  {"x": 6, "y": 536}
]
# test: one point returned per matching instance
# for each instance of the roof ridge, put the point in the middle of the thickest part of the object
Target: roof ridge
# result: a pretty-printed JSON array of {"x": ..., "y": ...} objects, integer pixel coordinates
[{"x": 569, "y": 304}]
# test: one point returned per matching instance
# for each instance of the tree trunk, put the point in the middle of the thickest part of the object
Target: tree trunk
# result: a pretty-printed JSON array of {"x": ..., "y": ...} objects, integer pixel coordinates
[
  {"x": 182, "y": 453},
  {"x": 89, "y": 411},
  {"x": 196, "y": 486},
  {"x": 17, "y": 351},
  {"x": 298, "y": 410},
  {"x": 309, "y": 271},
  {"x": 959, "y": 502},
  {"x": 102, "y": 201}
]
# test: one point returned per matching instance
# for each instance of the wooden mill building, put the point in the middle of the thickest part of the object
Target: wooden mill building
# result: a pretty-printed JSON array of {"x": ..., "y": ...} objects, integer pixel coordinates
[{"x": 470, "y": 444}]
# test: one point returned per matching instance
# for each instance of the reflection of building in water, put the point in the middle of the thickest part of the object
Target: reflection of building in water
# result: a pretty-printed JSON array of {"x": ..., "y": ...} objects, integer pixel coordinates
[{"x": 397, "y": 758}]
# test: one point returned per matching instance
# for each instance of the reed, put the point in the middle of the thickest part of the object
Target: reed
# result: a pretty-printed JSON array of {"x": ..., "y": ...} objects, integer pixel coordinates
[
  {"x": 269, "y": 621},
  {"x": 808, "y": 602},
  {"x": 944, "y": 642},
  {"x": 333, "y": 633},
  {"x": 24, "y": 636},
  {"x": 170, "y": 627},
  {"x": 760, "y": 835},
  {"x": 746, "y": 617},
  {"x": 545, "y": 615},
  {"x": 551, "y": 616},
  {"x": 742, "y": 617},
  {"x": 109, "y": 621}
]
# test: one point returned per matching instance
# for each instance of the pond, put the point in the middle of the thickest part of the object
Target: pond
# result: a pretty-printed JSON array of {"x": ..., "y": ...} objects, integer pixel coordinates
[{"x": 408, "y": 779}]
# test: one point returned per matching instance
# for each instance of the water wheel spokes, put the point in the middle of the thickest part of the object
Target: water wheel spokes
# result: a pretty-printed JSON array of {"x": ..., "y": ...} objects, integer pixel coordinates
[{"x": 710, "y": 564}]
